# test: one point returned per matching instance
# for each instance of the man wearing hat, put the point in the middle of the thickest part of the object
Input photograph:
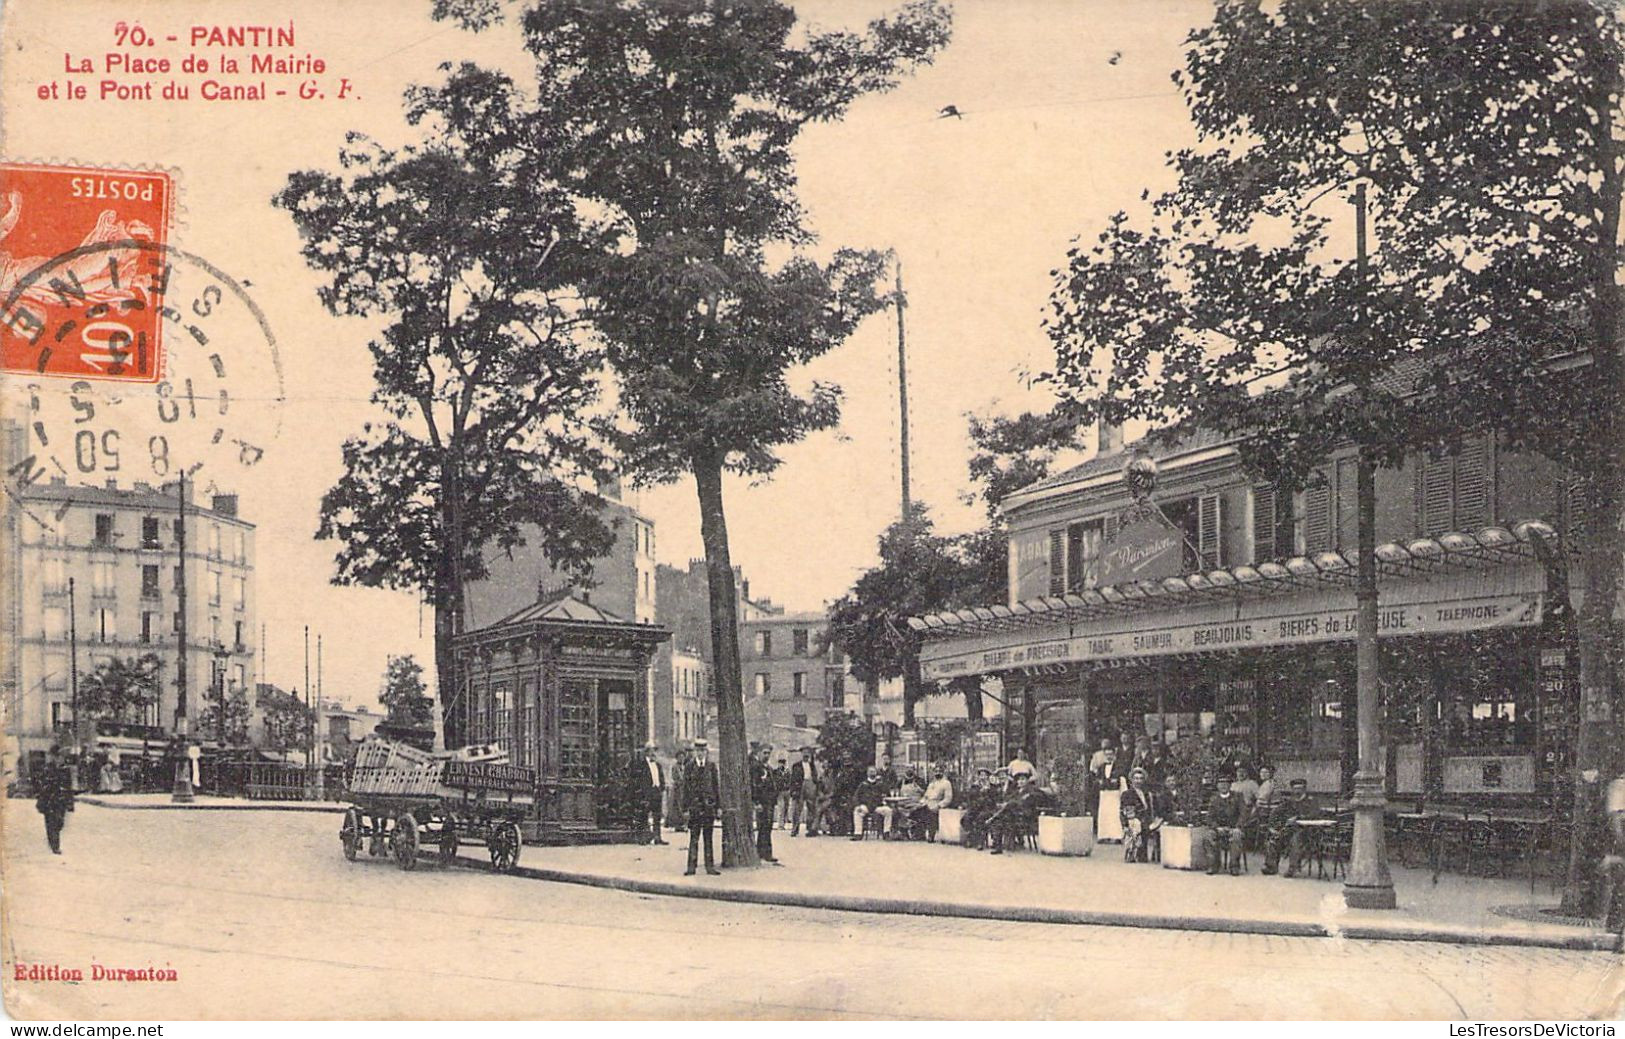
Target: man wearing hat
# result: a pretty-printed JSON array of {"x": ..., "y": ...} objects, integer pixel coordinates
[
  {"x": 1281, "y": 829},
  {"x": 762, "y": 795},
  {"x": 702, "y": 792},
  {"x": 648, "y": 787},
  {"x": 1226, "y": 819},
  {"x": 804, "y": 777}
]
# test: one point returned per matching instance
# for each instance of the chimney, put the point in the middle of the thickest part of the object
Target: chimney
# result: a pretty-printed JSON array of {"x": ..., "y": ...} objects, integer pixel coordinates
[
  {"x": 226, "y": 504},
  {"x": 744, "y": 589},
  {"x": 1109, "y": 438},
  {"x": 112, "y": 483}
]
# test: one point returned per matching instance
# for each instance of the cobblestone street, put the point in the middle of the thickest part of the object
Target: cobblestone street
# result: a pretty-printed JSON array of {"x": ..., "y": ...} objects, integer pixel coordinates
[{"x": 261, "y": 916}]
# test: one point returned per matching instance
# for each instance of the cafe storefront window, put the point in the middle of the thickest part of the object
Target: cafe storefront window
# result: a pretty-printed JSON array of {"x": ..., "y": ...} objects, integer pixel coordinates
[{"x": 1487, "y": 698}]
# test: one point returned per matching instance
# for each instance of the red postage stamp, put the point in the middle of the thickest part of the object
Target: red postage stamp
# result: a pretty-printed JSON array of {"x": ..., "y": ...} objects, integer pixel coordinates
[{"x": 83, "y": 270}]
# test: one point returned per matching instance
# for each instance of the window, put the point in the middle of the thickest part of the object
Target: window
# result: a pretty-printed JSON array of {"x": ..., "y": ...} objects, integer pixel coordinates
[
  {"x": 239, "y": 545},
  {"x": 149, "y": 532},
  {"x": 1317, "y": 514},
  {"x": 764, "y": 683},
  {"x": 104, "y": 529},
  {"x": 214, "y": 541},
  {"x": 1083, "y": 544},
  {"x": 149, "y": 582},
  {"x": 214, "y": 587},
  {"x": 56, "y": 671},
  {"x": 149, "y": 624},
  {"x": 106, "y": 624},
  {"x": 798, "y": 639},
  {"x": 54, "y": 576},
  {"x": 175, "y": 622},
  {"x": 500, "y": 713},
  {"x": 176, "y": 577},
  {"x": 237, "y": 633},
  {"x": 61, "y": 714},
  {"x": 798, "y": 685},
  {"x": 101, "y": 579},
  {"x": 1453, "y": 491},
  {"x": 800, "y": 721},
  {"x": 837, "y": 696},
  {"x": 1272, "y": 523},
  {"x": 214, "y": 628},
  {"x": 764, "y": 643},
  {"x": 56, "y": 622}
]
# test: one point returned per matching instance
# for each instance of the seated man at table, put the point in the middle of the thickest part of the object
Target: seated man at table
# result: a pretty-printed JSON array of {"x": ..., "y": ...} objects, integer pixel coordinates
[
  {"x": 983, "y": 801},
  {"x": 870, "y": 798},
  {"x": 908, "y": 802},
  {"x": 1018, "y": 815},
  {"x": 1226, "y": 818},
  {"x": 938, "y": 795},
  {"x": 1283, "y": 830},
  {"x": 1143, "y": 811}
]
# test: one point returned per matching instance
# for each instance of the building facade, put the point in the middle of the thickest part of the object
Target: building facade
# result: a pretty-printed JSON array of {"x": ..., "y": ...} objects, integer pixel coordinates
[
  {"x": 791, "y": 677},
  {"x": 1222, "y": 609},
  {"x": 119, "y": 551}
]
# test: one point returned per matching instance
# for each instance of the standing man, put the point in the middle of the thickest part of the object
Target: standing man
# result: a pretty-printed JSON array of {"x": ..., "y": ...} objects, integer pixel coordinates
[
  {"x": 762, "y": 795},
  {"x": 701, "y": 794},
  {"x": 54, "y": 784},
  {"x": 648, "y": 787},
  {"x": 784, "y": 797},
  {"x": 804, "y": 784}
]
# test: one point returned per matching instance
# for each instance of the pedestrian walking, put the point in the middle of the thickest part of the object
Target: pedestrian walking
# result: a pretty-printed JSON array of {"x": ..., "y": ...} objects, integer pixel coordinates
[
  {"x": 54, "y": 796},
  {"x": 701, "y": 795},
  {"x": 804, "y": 777},
  {"x": 784, "y": 795},
  {"x": 648, "y": 780},
  {"x": 762, "y": 796}
]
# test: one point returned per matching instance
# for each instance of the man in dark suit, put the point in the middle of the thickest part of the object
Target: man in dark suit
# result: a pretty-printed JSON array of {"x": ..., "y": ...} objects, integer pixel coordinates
[
  {"x": 763, "y": 792},
  {"x": 702, "y": 792},
  {"x": 804, "y": 777},
  {"x": 53, "y": 785},
  {"x": 648, "y": 783}
]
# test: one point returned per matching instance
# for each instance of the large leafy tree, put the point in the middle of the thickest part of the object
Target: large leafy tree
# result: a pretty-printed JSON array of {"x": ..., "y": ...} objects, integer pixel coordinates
[
  {"x": 122, "y": 687},
  {"x": 403, "y": 695},
  {"x": 675, "y": 122},
  {"x": 465, "y": 252},
  {"x": 919, "y": 572},
  {"x": 285, "y": 720},
  {"x": 1485, "y": 140}
]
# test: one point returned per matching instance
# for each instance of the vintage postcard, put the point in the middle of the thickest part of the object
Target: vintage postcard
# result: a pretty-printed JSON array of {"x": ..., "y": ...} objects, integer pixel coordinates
[{"x": 812, "y": 509}]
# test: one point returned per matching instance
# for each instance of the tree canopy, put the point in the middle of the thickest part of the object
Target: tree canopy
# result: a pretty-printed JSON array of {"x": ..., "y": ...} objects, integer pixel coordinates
[
  {"x": 120, "y": 687},
  {"x": 403, "y": 694}
]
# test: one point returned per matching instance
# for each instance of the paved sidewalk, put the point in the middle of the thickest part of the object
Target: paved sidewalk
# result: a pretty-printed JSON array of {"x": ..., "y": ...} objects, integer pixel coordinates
[
  {"x": 941, "y": 880},
  {"x": 206, "y": 802}
]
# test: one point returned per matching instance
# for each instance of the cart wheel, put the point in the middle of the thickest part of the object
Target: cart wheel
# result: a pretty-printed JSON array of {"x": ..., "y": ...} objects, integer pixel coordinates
[
  {"x": 448, "y": 843},
  {"x": 405, "y": 841},
  {"x": 504, "y": 843},
  {"x": 350, "y": 834}
]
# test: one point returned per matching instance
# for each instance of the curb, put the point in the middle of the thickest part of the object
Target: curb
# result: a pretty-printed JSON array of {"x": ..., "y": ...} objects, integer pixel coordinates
[
  {"x": 1089, "y": 917},
  {"x": 201, "y": 807}
]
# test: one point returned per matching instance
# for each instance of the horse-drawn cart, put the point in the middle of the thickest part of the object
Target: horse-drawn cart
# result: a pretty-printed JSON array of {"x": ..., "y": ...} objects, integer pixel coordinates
[{"x": 402, "y": 798}]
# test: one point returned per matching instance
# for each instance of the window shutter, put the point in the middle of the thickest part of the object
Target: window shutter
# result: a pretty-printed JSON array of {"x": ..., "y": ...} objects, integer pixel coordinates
[
  {"x": 1074, "y": 557},
  {"x": 1317, "y": 518},
  {"x": 1264, "y": 547},
  {"x": 1208, "y": 540},
  {"x": 1057, "y": 562},
  {"x": 1473, "y": 487},
  {"x": 1108, "y": 527},
  {"x": 1436, "y": 493},
  {"x": 1347, "y": 534}
]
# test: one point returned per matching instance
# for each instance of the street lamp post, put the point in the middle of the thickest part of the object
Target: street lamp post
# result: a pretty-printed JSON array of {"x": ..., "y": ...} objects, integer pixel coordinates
[{"x": 183, "y": 767}]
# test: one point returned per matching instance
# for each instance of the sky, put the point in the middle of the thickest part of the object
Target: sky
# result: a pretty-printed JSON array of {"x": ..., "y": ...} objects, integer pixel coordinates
[{"x": 1067, "y": 108}]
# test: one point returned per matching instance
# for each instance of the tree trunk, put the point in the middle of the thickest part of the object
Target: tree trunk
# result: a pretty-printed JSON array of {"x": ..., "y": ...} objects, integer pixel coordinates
[
  {"x": 911, "y": 692},
  {"x": 1598, "y": 736},
  {"x": 737, "y": 847},
  {"x": 447, "y": 595}
]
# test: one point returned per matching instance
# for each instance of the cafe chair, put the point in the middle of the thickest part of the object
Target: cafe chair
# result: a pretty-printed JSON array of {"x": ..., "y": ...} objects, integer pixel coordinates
[{"x": 1338, "y": 846}]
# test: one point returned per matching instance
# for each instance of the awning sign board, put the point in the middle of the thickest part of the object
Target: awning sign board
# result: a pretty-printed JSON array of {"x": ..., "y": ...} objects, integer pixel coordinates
[{"x": 1288, "y": 621}]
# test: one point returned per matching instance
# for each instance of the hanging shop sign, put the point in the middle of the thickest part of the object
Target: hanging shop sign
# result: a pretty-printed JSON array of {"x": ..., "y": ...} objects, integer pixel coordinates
[
  {"x": 1318, "y": 621},
  {"x": 1146, "y": 548}
]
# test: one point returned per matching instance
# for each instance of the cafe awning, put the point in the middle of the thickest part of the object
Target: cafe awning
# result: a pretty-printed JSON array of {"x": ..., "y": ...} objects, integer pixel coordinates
[{"x": 1428, "y": 586}]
